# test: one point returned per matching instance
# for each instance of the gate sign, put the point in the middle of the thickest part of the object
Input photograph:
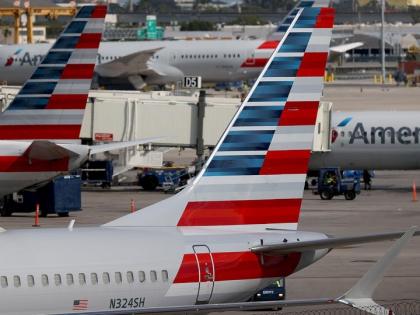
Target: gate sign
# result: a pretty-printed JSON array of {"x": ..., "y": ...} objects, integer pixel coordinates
[{"x": 191, "y": 82}]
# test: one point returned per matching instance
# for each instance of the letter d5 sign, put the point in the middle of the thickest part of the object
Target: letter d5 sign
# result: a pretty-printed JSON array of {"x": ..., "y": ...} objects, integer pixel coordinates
[{"x": 191, "y": 82}]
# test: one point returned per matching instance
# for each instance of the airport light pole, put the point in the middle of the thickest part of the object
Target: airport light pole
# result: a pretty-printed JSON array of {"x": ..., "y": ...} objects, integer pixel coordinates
[{"x": 383, "y": 40}]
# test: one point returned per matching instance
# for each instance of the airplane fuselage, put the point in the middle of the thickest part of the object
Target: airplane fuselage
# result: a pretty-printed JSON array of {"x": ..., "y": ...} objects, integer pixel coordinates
[
  {"x": 372, "y": 140},
  {"x": 213, "y": 60},
  {"x": 102, "y": 269}
]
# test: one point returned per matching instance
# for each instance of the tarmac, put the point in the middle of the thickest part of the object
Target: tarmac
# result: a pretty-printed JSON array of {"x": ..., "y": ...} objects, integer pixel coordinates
[{"x": 387, "y": 207}]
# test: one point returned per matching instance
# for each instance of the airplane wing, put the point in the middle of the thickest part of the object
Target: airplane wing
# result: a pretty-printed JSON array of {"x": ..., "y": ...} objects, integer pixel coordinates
[
  {"x": 132, "y": 64},
  {"x": 328, "y": 243},
  {"x": 346, "y": 47},
  {"x": 100, "y": 148},
  {"x": 359, "y": 296}
]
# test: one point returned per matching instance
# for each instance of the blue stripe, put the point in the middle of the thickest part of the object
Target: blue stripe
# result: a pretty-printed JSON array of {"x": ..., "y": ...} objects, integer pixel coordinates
[
  {"x": 85, "y": 12},
  {"x": 295, "y": 42},
  {"x": 283, "y": 67},
  {"x": 306, "y": 4},
  {"x": 57, "y": 58},
  {"x": 28, "y": 103},
  {"x": 66, "y": 42},
  {"x": 252, "y": 140},
  {"x": 48, "y": 73},
  {"x": 75, "y": 27},
  {"x": 38, "y": 88},
  {"x": 344, "y": 122},
  {"x": 235, "y": 165},
  {"x": 271, "y": 91},
  {"x": 308, "y": 18}
]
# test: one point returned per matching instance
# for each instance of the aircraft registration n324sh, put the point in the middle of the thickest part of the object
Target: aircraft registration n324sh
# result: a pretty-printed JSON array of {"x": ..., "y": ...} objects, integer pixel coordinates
[{"x": 221, "y": 239}]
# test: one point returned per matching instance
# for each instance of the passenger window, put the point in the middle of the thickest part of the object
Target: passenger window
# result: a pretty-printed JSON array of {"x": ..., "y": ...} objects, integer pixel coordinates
[
  {"x": 130, "y": 277},
  {"x": 118, "y": 277},
  {"x": 3, "y": 281},
  {"x": 153, "y": 276},
  {"x": 31, "y": 280},
  {"x": 142, "y": 276},
  {"x": 44, "y": 280},
  {"x": 57, "y": 279},
  {"x": 16, "y": 281},
  {"x": 82, "y": 279},
  {"x": 94, "y": 278},
  {"x": 105, "y": 277},
  {"x": 69, "y": 279},
  {"x": 165, "y": 276}
]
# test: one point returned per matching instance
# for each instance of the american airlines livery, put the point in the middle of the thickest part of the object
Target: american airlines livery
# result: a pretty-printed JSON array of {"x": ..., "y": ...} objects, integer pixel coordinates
[
  {"x": 225, "y": 236},
  {"x": 39, "y": 131}
]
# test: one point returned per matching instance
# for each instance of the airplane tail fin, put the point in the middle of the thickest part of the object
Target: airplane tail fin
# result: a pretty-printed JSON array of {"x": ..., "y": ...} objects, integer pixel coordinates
[
  {"x": 51, "y": 104},
  {"x": 255, "y": 176}
]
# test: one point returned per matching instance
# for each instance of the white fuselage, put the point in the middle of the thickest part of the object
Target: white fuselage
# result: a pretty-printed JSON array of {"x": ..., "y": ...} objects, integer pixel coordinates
[
  {"x": 213, "y": 60},
  {"x": 373, "y": 140},
  {"x": 17, "y": 171},
  {"x": 115, "y": 268}
]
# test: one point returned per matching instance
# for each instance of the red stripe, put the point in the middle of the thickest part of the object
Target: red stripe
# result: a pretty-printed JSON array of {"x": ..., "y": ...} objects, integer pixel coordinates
[
  {"x": 89, "y": 41},
  {"x": 67, "y": 101},
  {"x": 325, "y": 18},
  {"x": 299, "y": 113},
  {"x": 238, "y": 212},
  {"x": 74, "y": 71},
  {"x": 270, "y": 44},
  {"x": 23, "y": 164},
  {"x": 285, "y": 162},
  {"x": 239, "y": 266},
  {"x": 313, "y": 64},
  {"x": 254, "y": 63},
  {"x": 50, "y": 132},
  {"x": 99, "y": 12}
]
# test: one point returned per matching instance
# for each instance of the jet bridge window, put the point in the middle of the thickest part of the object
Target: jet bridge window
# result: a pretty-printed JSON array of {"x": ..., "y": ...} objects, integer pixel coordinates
[
  {"x": 69, "y": 279},
  {"x": 3, "y": 281},
  {"x": 82, "y": 279},
  {"x": 16, "y": 281},
  {"x": 130, "y": 277},
  {"x": 57, "y": 279},
  {"x": 105, "y": 278},
  {"x": 142, "y": 276},
  {"x": 94, "y": 278},
  {"x": 44, "y": 280},
  {"x": 118, "y": 277},
  {"x": 153, "y": 276},
  {"x": 165, "y": 275},
  {"x": 31, "y": 280}
]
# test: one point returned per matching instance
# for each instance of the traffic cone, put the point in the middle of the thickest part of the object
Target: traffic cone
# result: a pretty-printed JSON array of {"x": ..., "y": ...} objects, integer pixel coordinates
[
  {"x": 36, "y": 216},
  {"x": 414, "y": 191},
  {"x": 133, "y": 206}
]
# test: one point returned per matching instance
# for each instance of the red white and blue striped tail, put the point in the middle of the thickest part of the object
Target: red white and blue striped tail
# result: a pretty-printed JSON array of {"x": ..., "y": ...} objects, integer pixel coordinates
[
  {"x": 51, "y": 105},
  {"x": 256, "y": 174}
]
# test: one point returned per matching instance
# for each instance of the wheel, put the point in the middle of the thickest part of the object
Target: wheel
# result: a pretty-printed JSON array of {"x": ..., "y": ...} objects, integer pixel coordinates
[
  {"x": 63, "y": 214},
  {"x": 4, "y": 208},
  {"x": 350, "y": 195},
  {"x": 326, "y": 195},
  {"x": 149, "y": 182}
]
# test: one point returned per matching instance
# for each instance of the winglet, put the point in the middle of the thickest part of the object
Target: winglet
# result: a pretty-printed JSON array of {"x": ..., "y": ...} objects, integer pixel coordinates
[{"x": 360, "y": 295}]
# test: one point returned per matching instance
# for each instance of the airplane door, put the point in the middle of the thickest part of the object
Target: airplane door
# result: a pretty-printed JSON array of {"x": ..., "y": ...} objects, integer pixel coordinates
[{"x": 206, "y": 273}]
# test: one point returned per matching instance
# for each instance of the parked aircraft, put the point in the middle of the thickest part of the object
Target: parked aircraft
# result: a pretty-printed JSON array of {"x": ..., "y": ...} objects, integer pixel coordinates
[
  {"x": 39, "y": 131},
  {"x": 372, "y": 140},
  {"x": 161, "y": 62},
  {"x": 225, "y": 236}
]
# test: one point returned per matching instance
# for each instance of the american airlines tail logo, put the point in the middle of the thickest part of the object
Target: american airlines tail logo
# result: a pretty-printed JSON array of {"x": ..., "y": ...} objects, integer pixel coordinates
[{"x": 10, "y": 60}]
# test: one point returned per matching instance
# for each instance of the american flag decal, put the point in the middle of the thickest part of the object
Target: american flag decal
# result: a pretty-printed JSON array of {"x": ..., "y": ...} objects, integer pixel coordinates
[{"x": 80, "y": 305}]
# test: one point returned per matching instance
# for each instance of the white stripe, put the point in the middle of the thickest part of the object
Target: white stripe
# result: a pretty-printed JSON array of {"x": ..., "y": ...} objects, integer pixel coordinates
[
  {"x": 42, "y": 117},
  {"x": 292, "y": 138},
  {"x": 253, "y": 128},
  {"x": 83, "y": 56},
  {"x": 94, "y": 26},
  {"x": 43, "y": 80},
  {"x": 235, "y": 153},
  {"x": 289, "y": 54},
  {"x": 265, "y": 103},
  {"x": 302, "y": 30},
  {"x": 253, "y": 179},
  {"x": 276, "y": 79},
  {"x": 235, "y": 229},
  {"x": 72, "y": 86}
]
